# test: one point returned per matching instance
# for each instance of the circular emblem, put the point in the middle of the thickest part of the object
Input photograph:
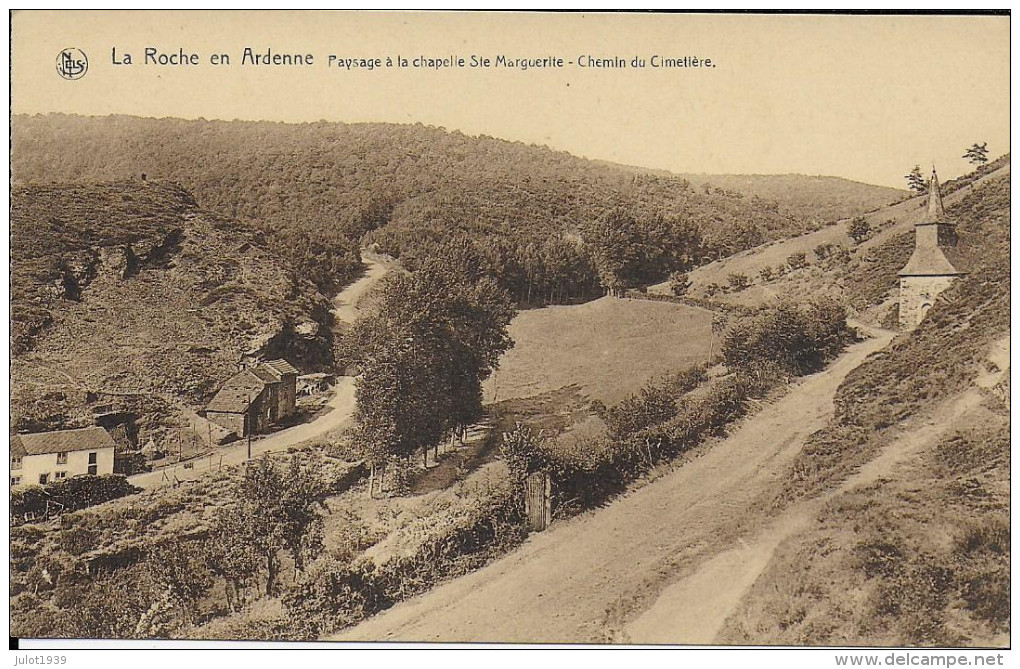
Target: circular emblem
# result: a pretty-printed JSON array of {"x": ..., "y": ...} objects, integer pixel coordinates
[{"x": 72, "y": 63}]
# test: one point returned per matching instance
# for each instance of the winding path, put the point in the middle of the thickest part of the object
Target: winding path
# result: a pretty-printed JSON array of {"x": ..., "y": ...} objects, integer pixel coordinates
[
  {"x": 586, "y": 579},
  {"x": 339, "y": 408}
]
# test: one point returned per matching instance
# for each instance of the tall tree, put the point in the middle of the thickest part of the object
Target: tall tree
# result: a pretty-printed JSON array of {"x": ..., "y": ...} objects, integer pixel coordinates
[
  {"x": 433, "y": 336},
  {"x": 916, "y": 181},
  {"x": 977, "y": 154}
]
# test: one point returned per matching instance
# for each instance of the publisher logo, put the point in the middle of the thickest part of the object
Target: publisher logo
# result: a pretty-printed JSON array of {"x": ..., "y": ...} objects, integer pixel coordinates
[{"x": 72, "y": 63}]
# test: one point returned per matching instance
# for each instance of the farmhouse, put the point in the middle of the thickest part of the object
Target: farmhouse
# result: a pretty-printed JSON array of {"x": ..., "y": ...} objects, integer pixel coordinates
[
  {"x": 255, "y": 398},
  {"x": 929, "y": 270},
  {"x": 46, "y": 457}
]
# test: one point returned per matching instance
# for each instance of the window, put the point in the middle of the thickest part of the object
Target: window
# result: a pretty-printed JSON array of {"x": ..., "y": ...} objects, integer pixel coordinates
[
  {"x": 59, "y": 475},
  {"x": 93, "y": 470},
  {"x": 44, "y": 479},
  {"x": 16, "y": 462},
  {"x": 61, "y": 458},
  {"x": 92, "y": 458},
  {"x": 15, "y": 480}
]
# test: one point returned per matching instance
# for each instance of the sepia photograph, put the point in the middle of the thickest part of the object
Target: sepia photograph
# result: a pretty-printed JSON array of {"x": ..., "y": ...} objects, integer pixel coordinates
[{"x": 360, "y": 329}]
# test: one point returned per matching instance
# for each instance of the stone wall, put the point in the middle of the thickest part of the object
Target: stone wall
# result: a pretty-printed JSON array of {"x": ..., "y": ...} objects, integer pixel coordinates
[{"x": 917, "y": 294}]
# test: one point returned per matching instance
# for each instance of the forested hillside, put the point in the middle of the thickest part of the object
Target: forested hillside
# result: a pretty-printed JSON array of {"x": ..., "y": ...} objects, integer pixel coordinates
[
  {"x": 822, "y": 199},
  {"x": 127, "y": 294},
  {"x": 323, "y": 186}
]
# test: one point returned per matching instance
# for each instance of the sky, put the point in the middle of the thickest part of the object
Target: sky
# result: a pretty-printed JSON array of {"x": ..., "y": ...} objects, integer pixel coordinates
[{"x": 862, "y": 97}]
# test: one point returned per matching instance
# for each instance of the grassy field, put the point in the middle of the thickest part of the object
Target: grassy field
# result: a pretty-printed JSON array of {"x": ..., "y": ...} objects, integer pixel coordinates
[{"x": 608, "y": 348}]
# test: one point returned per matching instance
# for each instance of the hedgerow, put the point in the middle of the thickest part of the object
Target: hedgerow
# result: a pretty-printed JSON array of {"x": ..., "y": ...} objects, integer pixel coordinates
[{"x": 70, "y": 494}]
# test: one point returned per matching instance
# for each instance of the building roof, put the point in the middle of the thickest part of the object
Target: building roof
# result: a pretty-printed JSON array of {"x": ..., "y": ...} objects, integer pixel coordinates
[
  {"x": 932, "y": 260},
  {"x": 929, "y": 261},
  {"x": 238, "y": 392},
  {"x": 936, "y": 212},
  {"x": 281, "y": 367},
  {"x": 265, "y": 374},
  {"x": 61, "y": 441}
]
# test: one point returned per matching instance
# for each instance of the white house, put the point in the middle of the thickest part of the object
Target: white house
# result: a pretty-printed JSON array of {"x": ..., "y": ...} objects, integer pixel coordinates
[{"x": 47, "y": 457}]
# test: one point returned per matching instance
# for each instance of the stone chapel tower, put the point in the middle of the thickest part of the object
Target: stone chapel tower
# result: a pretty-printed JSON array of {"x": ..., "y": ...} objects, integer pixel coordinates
[{"x": 929, "y": 270}]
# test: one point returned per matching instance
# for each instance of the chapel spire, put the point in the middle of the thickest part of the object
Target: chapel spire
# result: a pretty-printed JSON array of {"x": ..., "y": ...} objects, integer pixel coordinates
[{"x": 936, "y": 211}]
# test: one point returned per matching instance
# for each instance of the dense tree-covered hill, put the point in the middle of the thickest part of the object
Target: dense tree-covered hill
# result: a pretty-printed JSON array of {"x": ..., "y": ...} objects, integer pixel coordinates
[
  {"x": 127, "y": 294},
  {"x": 821, "y": 199},
  {"x": 331, "y": 183}
]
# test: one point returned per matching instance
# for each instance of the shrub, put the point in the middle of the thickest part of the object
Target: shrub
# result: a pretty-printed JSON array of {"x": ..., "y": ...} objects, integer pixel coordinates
[
  {"x": 797, "y": 340},
  {"x": 339, "y": 593},
  {"x": 656, "y": 403},
  {"x": 738, "y": 281},
  {"x": 859, "y": 229},
  {"x": 71, "y": 494},
  {"x": 586, "y": 476},
  {"x": 766, "y": 273},
  {"x": 823, "y": 251},
  {"x": 679, "y": 283},
  {"x": 796, "y": 260}
]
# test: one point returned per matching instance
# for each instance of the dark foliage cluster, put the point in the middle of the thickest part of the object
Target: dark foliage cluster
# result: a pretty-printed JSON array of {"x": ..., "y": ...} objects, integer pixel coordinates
[
  {"x": 789, "y": 338},
  {"x": 73, "y": 494},
  {"x": 434, "y": 335},
  {"x": 340, "y": 593}
]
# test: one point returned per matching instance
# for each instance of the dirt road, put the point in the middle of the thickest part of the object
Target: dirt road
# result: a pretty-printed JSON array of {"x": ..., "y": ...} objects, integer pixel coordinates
[
  {"x": 340, "y": 406},
  {"x": 583, "y": 580},
  {"x": 694, "y": 610}
]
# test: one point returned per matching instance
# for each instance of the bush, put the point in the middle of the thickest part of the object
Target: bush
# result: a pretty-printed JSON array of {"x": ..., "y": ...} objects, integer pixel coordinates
[
  {"x": 591, "y": 473},
  {"x": 766, "y": 273},
  {"x": 796, "y": 260},
  {"x": 738, "y": 281},
  {"x": 859, "y": 229},
  {"x": 823, "y": 251},
  {"x": 679, "y": 283},
  {"x": 656, "y": 403},
  {"x": 796, "y": 340},
  {"x": 339, "y": 593},
  {"x": 71, "y": 494}
]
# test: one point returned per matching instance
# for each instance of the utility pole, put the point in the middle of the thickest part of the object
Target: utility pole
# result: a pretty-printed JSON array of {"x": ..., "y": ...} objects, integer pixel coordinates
[{"x": 250, "y": 426}]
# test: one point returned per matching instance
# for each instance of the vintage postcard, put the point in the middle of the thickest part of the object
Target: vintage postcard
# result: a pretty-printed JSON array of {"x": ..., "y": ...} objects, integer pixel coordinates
[{"x": 684, "y": 329}]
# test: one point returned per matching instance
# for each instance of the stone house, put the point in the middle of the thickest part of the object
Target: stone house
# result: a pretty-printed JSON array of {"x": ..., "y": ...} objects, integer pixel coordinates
[
  {"x": 255, "y": 398},
  {"x": 930, "y": 269},
  {"x": 47, "y": 457}
]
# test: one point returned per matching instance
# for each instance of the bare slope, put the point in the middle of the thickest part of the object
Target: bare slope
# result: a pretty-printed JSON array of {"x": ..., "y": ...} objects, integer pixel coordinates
[{"x": 126, "y": 295}]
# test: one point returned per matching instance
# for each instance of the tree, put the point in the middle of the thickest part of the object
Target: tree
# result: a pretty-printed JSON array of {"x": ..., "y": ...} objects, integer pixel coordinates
[
  {"x": 432, "y": 337},
  {"x": 273, "y": 511},
  {"x": 180, "y": 569},
  {"x": 916, "y": 181},
  {"x": 977, "y": 154},
  {"x": 612, "y": 241},
  {"x": 858, "y": 229}
]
